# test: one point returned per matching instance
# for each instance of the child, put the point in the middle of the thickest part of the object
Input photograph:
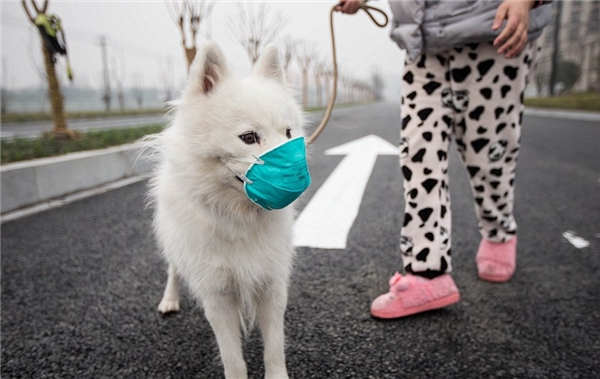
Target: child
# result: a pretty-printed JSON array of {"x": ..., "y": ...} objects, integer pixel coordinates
[{"x": 466, "y": 71}]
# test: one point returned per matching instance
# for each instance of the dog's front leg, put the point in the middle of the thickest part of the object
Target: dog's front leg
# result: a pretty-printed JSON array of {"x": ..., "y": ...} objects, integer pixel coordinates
[
  {"x": 222, "y": 312},
  {"x": 271, "y": 318},
  {"x": 170, "y": 299}
]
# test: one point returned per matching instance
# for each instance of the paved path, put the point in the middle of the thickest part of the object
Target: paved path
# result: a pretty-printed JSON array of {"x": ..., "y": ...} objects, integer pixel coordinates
[{"x": 80, "y": 283}]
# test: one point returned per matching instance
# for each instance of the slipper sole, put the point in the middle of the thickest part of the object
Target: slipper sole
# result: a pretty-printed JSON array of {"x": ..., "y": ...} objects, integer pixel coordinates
[{"x": 436, "y": 304}]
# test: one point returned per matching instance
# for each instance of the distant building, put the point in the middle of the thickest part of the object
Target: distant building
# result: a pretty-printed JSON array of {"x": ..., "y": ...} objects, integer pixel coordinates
[{"x": 579, "y": 43}]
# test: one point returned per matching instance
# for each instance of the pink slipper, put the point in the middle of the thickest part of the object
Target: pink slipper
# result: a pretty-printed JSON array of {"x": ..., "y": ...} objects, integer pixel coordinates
[
  {"x": 496, "y": 262},
  {"x": 412, "y": 294}
]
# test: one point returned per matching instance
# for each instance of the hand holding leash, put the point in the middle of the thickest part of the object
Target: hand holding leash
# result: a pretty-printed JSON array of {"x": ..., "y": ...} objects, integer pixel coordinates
[
  {"x": 353, "y": 6},
  {"x": 349, "y": 7}
]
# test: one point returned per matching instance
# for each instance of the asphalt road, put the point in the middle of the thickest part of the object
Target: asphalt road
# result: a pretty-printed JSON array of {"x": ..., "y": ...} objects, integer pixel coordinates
[{"x": 80, "y": 284}]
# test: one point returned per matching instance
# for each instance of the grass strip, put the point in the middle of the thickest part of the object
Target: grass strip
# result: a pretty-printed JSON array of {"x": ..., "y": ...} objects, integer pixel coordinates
[
  {"x": 20, "y": 149},
  {"x": 576, "y": 101}
]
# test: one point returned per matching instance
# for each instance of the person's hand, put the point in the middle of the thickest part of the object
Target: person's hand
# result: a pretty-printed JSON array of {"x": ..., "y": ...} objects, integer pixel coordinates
[
  {"x": 349, "y": 6},
  {"x": 513, "y": 39}
]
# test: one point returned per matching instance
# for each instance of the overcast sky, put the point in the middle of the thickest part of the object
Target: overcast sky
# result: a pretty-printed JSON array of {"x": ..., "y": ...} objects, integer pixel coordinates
[{"x": 141, "y": 38}]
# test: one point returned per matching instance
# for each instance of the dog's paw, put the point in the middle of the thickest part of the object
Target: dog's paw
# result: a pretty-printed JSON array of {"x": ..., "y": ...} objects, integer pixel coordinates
[{"x": 168, "y": 306}]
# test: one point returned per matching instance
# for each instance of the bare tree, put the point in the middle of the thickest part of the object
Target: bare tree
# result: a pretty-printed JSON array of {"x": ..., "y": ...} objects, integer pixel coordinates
[
  {"x": 344, "y": 80},
  {"x": 347, "y": 85},
  {"x": 56, "y": 98},
  {"x": 319, "y": 70},
  {"x": 289, "y": 51},
  {"x": 377, "y": 83},
  {"x": 106, "y": 94},
  {"x": 364, "y": 91},
  {"x": 327, "y": 76},
  {"x": 255, "y": 26},
  {"x": 119, "y": 76},
  {"x": 4, "y": 99},
  {"x": 191, "y": 14},
  {"x": 306, "y": 57},
  {"x": 138, "y": 89},
  {"x": 4, "y": 96},
  {"x": 36, "y": 61},
  {"x": 167, "y": 79}
]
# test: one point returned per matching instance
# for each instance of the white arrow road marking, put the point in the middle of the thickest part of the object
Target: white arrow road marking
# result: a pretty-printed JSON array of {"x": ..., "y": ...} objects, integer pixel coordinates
[
  {"x": 327, "y": 218},
  {"x": 576, "y": 241}
]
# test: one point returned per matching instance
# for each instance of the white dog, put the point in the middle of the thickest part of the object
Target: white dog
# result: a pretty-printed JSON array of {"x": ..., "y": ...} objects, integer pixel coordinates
[{"x": 234, "y": 255}]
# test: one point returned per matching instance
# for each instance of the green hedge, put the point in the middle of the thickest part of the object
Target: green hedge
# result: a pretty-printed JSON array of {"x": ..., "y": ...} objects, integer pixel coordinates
[
  {"x": 575, "y": 101},
  {"x": 20, "y": 149},
  {"x": 44, "y": 116}
]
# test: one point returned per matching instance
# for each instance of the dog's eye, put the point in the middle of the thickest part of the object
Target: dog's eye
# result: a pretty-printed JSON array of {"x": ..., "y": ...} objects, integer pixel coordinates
[
  {"x": 250, "y": 138},
  {"x": 288, "y": 133}
]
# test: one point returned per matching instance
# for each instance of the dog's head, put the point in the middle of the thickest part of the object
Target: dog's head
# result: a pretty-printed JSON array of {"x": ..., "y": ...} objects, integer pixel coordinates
[
  {"x": 220, "y": 117},
  {"x": 224, "y": 116}
]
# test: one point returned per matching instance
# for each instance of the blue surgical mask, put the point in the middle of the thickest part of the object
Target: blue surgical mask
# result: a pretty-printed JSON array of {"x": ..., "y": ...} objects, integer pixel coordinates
[{"x": 277, "y": 177}]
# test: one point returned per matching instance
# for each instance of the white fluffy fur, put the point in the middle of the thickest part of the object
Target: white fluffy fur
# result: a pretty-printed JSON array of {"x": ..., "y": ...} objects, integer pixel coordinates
[{"x": 234, "y": 256}]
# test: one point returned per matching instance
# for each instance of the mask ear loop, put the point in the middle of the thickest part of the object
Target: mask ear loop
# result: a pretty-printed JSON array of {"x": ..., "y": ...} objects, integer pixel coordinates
[
  {"x": 243, "y": 178},
  {"x": 238, "y": 175},
  {"x": 258, "y": 160}
]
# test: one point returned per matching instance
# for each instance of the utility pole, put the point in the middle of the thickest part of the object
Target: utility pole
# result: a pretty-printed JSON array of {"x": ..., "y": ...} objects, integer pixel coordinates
[
  {"x": 556, "y": 52},
  {"x": 106, "y": 94},
  {"x": 4, "y": 91}
]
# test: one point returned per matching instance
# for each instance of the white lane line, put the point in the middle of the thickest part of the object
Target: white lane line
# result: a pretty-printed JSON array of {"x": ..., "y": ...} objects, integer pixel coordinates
[{"x": 576, "y": 241}]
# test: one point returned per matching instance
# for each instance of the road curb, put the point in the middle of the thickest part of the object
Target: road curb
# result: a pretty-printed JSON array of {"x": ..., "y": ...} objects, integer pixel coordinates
[{"x": 25, "y": 184}]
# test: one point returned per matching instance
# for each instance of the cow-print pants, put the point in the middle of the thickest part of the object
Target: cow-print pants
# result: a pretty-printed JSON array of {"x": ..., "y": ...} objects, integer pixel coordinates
[{"x": 474, "y": 95}]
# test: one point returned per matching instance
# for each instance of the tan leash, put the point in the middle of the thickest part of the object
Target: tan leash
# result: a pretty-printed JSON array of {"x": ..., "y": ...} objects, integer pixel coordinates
[{"x": 366, "y": 8}]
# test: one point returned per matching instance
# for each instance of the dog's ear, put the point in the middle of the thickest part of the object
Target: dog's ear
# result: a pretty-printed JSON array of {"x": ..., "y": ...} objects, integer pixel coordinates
[
  {"x": 208, "y": 69},
  {"x": 268, "y": 65}
]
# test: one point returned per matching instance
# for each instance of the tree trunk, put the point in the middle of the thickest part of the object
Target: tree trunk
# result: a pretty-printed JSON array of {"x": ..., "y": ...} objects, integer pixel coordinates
[
  {"x": 121, "y": 98},
  {"x": 190, "y": 54},
  {"x": 304, "y": 88},
  {"x": 56, "y": 98},
  {"x": 319, "y": 91}
]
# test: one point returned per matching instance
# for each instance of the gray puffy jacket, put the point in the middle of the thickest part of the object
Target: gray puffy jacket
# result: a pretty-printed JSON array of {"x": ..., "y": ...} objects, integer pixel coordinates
[{"x": 433, "y": 26}]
